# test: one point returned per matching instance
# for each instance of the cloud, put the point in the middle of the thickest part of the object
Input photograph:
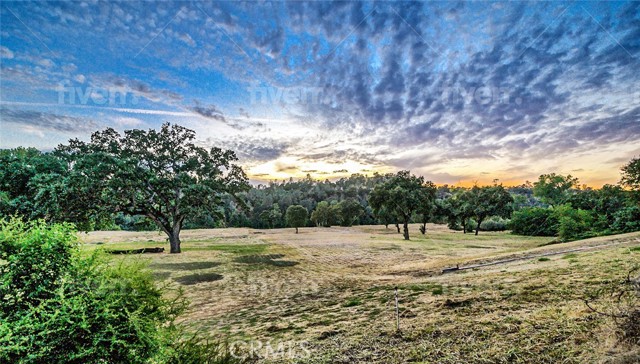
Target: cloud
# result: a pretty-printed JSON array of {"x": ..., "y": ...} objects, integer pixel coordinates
[
  {"x": 187, "y": 39},
  {"x": 412, "y": 84},
  {"x": 128, "y": 122},
  {"x": 41, "y": 121},
  {"x": 6, "y": 53},
  {"x": 209, "y": 112},
  {"x": 251, "y": 149}
]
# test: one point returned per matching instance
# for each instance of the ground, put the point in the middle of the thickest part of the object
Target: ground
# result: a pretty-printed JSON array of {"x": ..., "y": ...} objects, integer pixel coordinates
[{"x": 326, "y": 295}]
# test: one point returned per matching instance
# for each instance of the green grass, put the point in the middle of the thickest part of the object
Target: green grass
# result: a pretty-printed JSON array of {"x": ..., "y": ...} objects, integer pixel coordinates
[
  {"x": 352, "y": 303},
  {"x": 543, "y": 259}
]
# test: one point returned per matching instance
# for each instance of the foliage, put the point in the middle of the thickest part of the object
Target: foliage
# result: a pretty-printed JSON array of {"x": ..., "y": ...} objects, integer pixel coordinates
[
  {"x": 495, "y": 223},
  {"x": 272, "y": 217},
  {"x": 296, "y": 216},
  {"x": 627, "y": 220},
  {"x": 573, "y": 223},
  {"x": 483, "y": 202},
  {"x": 631, "y": 174},
  {"x": 24, "y": 172},
  {"x": 554, "y": 189},
  {"x": 59, "y": 307},
  {"x": 348, "y": 211},
  {"x": 160, "y": 174},
  {"x": 402, "y": 194},
  {"x": 427, "y": 208},
  {"x": 458, "y": 211},
  {"x": 535, "y": 221},
  {"x": 323, "y": 215}
]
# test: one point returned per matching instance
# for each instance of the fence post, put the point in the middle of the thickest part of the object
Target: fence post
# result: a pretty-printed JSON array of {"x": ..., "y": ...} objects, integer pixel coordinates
[{"x": 397, "y": 311}]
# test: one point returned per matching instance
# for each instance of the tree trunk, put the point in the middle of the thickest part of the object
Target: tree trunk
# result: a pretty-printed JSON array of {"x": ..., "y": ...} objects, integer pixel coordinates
[
  {"x": 296, "y": 229},
  {"x": 398, "y": 227},
  {"x": 464, "y": 226},
  {"x": 174, "y": 240},
  {"x": 406, "y": 229},
  {"x": 424, "y": 228},
  {"x": 478, "y": 227}
]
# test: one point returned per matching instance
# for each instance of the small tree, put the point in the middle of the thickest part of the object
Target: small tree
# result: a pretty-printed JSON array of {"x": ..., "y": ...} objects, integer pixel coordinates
[
  {"x": 322, "y": 215},
  {"x": 349, "y": 211},
  {"x": 427, "y": 207},
  {"x": 296, "y": 216},
  {"x": 458, "y": 210},
  {"x": 490, "y": 201}
]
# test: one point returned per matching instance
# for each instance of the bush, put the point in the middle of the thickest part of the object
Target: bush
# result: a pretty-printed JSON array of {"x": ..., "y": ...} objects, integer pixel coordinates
[
  {"x": 534, "y": 221},
  {"x": 60, "y": 307},
  {"x": 573, "y": 223},
  {"x": 495, "y": 223},
  {"x": 627, "y": 220},
  {"x": 457, "y": 225}
]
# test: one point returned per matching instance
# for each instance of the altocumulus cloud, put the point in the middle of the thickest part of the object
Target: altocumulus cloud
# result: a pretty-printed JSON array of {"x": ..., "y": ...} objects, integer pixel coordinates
[
  {"x": 450, "y": 81},
  {"x": 47, "y": 121}
]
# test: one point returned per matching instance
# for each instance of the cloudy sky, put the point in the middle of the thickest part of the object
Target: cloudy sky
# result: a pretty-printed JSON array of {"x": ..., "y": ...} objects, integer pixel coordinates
[{"x": 455, "y": 91}]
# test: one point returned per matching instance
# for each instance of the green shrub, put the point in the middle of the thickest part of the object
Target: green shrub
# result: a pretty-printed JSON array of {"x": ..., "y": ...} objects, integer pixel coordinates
[
  {"x": 495, "y": 223},
  {"x": 627, "y": 220},
  {"x": 535, "y": 221},
  {"x": 60, "y": 307},
  {"x": 573, "y": 223}
]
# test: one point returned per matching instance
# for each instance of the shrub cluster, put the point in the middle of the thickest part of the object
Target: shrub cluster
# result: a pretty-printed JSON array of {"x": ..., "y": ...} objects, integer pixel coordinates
[
  {"x": 535, "y": 221},
  {"x": 495, "y": 223},
  {"x": 60, "y": 307}
]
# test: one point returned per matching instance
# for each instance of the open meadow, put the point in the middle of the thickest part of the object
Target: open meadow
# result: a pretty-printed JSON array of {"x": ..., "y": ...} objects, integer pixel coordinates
[{"x": 326, "y": 295}]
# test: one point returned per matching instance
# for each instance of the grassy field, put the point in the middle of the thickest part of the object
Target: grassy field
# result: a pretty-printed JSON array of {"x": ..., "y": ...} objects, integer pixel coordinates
[{"x": 326, "y": 295}]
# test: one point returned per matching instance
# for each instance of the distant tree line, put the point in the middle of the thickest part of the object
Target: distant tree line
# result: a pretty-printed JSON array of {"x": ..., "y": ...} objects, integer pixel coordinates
[{"x": 160, "y": 180}]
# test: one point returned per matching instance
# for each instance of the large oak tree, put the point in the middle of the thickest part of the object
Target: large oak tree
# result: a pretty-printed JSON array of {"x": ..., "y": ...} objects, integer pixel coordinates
[
  {"x": 402, "y": 194},
  {"x": 161, "y": 174}
]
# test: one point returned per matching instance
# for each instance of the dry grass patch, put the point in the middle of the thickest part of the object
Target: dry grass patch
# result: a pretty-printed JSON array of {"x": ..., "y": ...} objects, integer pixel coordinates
[{"x": 337, "y": 292}]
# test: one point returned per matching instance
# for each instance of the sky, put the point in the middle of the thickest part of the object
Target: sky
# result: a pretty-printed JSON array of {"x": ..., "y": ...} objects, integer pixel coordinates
[{"x": 459, "y": 92}]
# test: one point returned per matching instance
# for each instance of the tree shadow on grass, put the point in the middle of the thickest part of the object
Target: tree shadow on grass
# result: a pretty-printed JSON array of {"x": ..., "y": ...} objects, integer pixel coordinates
[
  {"x": 269, "y": 259},
  {"x": 198, "y": 278},
  {"x": 185, "y": 265}
]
